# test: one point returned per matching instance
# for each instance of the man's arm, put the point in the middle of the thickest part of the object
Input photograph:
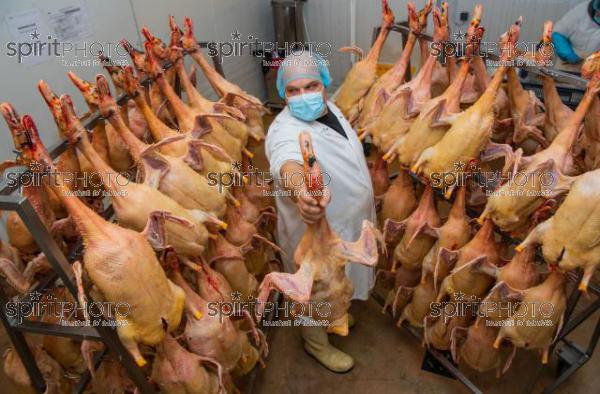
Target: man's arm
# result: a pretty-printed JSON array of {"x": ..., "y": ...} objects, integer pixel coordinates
[
  {"x": 563, "y": 49},
  {"x": 311, "y": 209}
]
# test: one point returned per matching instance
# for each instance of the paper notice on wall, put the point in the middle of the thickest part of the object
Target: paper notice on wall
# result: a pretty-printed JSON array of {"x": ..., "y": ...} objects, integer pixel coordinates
[
  {"x": 70, "y": 23},
  {"x": 28, "y": 29}
]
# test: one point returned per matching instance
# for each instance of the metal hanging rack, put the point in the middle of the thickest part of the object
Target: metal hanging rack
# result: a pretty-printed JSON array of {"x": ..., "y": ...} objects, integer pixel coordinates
[
  {"x": 61, "y": 268},
  {"x": 571, "y": 355},
  {"x": 557, "y": 75}
]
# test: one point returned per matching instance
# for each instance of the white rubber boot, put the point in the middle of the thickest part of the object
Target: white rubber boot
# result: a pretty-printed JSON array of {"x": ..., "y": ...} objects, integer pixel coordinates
[
  {"x": 317, "y": 345},
  {"x": 351, "y": 321}
]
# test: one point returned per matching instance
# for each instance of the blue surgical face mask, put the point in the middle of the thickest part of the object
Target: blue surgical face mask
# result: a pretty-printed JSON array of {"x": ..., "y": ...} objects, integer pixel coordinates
[{"x": 307, "y": 106}]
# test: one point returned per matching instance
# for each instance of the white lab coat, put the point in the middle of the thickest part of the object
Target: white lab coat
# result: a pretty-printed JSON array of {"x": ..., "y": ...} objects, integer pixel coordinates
[
  {"x": 582, "y": 31},
  {"x": 349, "y": 183}
]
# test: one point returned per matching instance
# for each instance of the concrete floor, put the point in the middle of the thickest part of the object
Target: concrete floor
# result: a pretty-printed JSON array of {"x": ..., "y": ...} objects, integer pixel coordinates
[{"x": 388, "y": 360}]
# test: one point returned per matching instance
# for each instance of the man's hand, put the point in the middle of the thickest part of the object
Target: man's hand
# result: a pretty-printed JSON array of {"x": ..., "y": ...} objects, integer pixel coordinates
[{"x": 312, "y": 208}]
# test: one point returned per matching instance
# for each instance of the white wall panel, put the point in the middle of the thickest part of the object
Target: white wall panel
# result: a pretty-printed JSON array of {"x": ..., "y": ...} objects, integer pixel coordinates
[
  {"x": 215, "y": 20},
  {"x": 369, "y": 12},
  {"x": 328, "y": 21},
  {"x": 154, "y": 15}
]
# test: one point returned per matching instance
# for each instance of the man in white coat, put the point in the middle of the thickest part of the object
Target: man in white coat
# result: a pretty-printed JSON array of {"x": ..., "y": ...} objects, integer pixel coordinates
[{"x": 349, "y": 200}]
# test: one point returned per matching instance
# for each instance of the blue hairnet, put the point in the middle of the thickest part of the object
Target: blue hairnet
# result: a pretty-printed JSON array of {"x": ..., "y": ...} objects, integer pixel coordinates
[{"x": 302, "y": 65}]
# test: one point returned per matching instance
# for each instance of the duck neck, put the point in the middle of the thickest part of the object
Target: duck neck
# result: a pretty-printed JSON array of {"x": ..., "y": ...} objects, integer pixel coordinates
[
  {"x": 136, "y": 147},
  {"x": 180, "y": 109},
  {"x": 486, "y": 101},
  {"x": 158, "y": 129},
  {"x": 107, "y": 174},
  {"x": 400, "y": 67},
  {"x": 455, "y": 88}
]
